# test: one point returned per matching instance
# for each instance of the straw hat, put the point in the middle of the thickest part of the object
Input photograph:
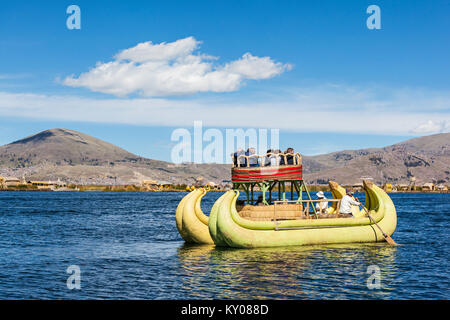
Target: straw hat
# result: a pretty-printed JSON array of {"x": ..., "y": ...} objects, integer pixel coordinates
[{"x": 320, "y": 194}]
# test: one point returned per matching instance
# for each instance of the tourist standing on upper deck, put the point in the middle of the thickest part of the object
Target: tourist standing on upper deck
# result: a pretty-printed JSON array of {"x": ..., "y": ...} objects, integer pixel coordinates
[
  {"x": 253, "y": 161},
  {"x": 347, "y": 202},
  {"x": 239, "y": 152},
  {"x": 275, "y": 158},
  {"x": 267, "y": 157},
  {"x": 289, "y": 157}
]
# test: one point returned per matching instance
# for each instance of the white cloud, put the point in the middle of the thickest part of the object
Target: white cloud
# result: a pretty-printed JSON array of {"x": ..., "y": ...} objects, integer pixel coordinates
[
  {"x": 315, "y": 109},
  {"x": 147, "y": 51},
  {"x": 431, "y": 126},
  {"x": 168, "y": 69},
  {"x": 256, "y": 68}
]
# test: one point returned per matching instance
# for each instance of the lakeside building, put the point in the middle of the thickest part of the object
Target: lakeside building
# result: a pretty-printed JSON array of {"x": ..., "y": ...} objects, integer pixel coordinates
[
  {"x": 6, "y": 182},
  {"x": 154, "y": 185},
  {"x": 428, "y": 187},
  {"x": 11, "y": 182},
  {"x": 47, "y": 185},
  {"x": 149, "y": 185},
  {"x": 403, "y": 187},
  {"x": 164, "y": 185},
  {"x": 357, "y": 187},
  {"x": 214, "y": 186}
]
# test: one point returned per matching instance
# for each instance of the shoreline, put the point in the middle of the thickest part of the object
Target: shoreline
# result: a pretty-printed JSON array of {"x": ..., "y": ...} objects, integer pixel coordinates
[{"x": 94, "y": 188}]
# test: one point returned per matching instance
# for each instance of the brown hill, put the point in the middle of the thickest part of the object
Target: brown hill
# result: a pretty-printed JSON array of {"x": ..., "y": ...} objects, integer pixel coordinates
[
  {"x": 79, "y": 158},
  {"x": 64, "y": 147},
  {"x": 426, "y": 158}
]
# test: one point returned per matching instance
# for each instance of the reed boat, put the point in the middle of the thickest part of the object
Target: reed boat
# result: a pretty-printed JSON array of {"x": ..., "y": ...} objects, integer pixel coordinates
[{"x": 282, "y": 222}]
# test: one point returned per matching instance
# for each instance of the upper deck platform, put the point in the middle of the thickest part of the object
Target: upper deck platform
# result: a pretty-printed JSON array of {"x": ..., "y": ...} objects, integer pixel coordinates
[{"x": 269, "y": 167}]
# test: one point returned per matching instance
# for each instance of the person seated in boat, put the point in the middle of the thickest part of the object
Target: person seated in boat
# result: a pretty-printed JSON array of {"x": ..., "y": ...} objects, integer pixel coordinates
[
  {"x": 260, "y": 202},
  {"x": 235, "y": 156},
  {"x": 252, "y": 161},
  {"x": 289, "y": 158},
  {"x": 347, "y": 202},
  {"x": 321, "y": 207}
]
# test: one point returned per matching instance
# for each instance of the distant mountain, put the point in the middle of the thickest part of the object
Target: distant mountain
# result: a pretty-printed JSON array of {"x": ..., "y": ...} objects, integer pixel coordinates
[
  {"x": 425, "y": 158},
  {"x": 79, "y": 158},
  {"x": 65, "y": 147}
]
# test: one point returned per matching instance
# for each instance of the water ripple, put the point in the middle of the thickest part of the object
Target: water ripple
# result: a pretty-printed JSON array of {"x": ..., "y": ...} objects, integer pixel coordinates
[{"x": 127, "y": 247}]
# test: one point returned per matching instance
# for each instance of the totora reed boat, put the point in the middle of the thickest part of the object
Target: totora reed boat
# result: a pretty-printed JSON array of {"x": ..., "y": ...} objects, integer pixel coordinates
[{"x": 282, "y": 222}]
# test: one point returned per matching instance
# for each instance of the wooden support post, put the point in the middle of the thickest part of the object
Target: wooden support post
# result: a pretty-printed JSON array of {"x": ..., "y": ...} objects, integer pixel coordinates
[
  {"x": 309, "y": 197},
  {"x": 270, "y": 195},
  {"x": 292, "y": 190},
  {"x": 298, "y": 186},
  {"x": 279, "y": 189},
  {"x": 272, "y": 185},
  {"x": 264, "y": 187},
  {"x": 245, "y": 187}
]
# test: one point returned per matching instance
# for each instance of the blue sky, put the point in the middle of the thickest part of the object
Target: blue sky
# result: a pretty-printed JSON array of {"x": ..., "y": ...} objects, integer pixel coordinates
[{"x": 327, "y": 81}]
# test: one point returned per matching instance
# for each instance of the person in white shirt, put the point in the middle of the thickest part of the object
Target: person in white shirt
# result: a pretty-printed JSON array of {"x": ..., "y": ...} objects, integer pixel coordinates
[
  {"x": 347, "y": 202},
  {"x": 275, "y": 158},
  {"x": 322, "y": 206}
]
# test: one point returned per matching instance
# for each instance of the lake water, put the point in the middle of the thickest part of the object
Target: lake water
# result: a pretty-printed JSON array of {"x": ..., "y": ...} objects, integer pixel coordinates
[{"x": 127, "y": 247}]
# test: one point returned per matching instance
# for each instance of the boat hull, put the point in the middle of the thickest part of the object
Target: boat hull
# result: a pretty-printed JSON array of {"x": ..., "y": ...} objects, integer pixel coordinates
[
  {"x": 234, "y": 231},
  {"x": 226, "y": 227}
]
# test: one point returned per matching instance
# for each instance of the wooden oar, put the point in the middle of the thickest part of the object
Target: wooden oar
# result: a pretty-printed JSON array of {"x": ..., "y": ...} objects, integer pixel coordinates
[{"x": 386, "y": 237}]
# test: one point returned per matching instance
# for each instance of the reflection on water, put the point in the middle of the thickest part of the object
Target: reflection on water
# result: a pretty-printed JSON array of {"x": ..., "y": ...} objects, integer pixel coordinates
[{"x": 309, "y": 272}]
